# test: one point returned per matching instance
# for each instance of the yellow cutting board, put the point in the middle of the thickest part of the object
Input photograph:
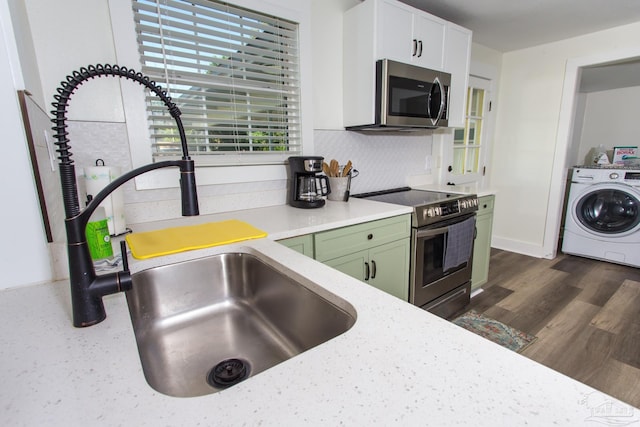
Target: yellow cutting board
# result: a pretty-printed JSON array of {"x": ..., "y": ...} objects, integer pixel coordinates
[{"x": 179, "y": 239}]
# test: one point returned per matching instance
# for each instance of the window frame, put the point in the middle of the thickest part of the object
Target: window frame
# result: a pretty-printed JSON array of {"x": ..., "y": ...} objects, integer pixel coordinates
[{"x": 134, "y": 103}]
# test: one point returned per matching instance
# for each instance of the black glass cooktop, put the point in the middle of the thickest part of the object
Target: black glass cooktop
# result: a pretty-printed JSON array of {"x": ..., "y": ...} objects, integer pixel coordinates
[{"x": 409, "y": 197}]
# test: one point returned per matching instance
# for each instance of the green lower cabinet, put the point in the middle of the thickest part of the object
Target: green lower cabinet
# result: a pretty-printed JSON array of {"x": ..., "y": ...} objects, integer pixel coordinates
[
  {"x": 482, "y": 244},
  {"x": 385, "y": 267},
  {"x": 353, "y": 264},
  {"x": 302, "y": 244},
  {"x": 390, "y": 268},
  {"x": 376, "y": 253}
]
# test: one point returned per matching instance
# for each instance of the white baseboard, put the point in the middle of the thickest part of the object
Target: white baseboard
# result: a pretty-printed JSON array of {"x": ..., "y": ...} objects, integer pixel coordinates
[
  {"x": 476, "y": 292},
  {"x": 524, "y": 248}
]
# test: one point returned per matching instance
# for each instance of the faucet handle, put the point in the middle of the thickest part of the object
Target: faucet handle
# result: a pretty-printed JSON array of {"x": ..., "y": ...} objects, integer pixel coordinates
[
  {"x": 123, "y": 278},
  {"x": 123, "y": 252}
]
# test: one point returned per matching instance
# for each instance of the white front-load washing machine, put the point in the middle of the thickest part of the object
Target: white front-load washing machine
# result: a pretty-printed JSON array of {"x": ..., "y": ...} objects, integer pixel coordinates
[{"x": 603, "y": 215}]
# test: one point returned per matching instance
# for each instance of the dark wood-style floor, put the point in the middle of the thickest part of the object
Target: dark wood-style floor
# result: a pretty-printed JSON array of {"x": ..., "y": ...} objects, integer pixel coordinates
[{"x": 585, "y": 313}]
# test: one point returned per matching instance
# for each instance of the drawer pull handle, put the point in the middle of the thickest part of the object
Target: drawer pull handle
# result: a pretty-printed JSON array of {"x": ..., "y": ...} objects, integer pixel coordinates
[{"x": 370, "y": 236}]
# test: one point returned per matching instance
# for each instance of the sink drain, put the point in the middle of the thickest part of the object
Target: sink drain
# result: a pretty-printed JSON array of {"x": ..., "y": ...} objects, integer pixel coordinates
[{"x": 228, "y": 372}]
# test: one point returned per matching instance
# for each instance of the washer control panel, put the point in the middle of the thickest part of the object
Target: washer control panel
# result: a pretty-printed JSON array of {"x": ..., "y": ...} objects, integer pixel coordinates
[{"x": 596, "y": 175}]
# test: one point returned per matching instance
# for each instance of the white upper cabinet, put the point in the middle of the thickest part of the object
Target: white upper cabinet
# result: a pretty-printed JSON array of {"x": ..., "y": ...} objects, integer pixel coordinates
[
  {"x": 428, "y": 38},
  {"x": 457, "y": 59},
  {"x": 389, "y": 29},
  {"x": 406, "y": 36}
]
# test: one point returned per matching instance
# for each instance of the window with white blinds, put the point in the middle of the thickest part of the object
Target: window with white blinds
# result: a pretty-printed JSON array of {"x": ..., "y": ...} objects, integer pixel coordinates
[{"x": 234, "y": 74}]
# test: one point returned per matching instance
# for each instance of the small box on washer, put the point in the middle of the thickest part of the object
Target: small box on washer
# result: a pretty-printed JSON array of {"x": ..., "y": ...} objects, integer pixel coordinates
[{"x": 620, "y": 154}]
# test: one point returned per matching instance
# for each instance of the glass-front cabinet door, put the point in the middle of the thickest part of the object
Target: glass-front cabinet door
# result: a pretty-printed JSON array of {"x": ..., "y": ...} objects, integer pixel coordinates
[{"x": 469, "y": 143}]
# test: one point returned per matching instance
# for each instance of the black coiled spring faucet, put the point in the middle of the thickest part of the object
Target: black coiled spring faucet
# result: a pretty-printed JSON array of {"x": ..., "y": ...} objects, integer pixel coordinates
[{"x": 87, "y": 288}]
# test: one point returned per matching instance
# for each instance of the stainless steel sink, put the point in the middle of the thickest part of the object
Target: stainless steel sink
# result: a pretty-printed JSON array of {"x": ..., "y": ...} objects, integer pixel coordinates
[{"x": 207, "y": 324}]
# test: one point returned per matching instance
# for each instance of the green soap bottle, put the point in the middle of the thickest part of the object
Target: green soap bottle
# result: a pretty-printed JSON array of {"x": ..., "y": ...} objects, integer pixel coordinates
[{"x": 98, "y": 237}]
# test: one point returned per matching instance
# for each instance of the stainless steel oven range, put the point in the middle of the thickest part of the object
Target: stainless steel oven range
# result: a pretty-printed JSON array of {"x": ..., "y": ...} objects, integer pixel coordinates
[{"x": 443, "y": 231}]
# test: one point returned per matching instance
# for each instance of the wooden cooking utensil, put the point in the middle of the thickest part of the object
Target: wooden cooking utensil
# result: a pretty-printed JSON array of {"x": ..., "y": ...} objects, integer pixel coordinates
[
  {"x": 334, "y": 167},
  {"x": 347, "y": 168}
]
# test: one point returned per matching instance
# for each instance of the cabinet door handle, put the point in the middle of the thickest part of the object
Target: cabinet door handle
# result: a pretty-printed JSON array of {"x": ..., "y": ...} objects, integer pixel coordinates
[
  {"x": 366, "y": 271},
  {"x": 415, "y": 47},
  {"x": 419, "y": 48},
  {"x": 373, "y": 269}
]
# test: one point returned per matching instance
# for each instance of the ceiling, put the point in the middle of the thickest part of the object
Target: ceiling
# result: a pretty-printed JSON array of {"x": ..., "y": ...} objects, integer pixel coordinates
[{"x": 507, "y": 25}]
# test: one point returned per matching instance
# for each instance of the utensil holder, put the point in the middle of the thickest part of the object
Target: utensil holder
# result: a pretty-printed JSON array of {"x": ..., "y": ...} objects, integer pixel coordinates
[{"x": 341, "y": 186}]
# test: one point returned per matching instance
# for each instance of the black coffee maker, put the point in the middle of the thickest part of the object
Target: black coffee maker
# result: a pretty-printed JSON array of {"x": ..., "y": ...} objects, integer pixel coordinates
[{"x": 306, "y": 187}]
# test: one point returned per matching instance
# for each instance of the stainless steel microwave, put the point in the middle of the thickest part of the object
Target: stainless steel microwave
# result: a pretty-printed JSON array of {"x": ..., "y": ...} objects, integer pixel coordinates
[{"x": 409, "y": 97}]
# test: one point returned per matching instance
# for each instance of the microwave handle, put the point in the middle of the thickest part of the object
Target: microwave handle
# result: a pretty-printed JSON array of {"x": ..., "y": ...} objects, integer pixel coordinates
[{"x": 442, "y": 101}]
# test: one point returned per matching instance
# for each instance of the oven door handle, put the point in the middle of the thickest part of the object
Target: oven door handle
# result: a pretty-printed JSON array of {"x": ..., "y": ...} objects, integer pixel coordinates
[{"x": 431, "y": 232}]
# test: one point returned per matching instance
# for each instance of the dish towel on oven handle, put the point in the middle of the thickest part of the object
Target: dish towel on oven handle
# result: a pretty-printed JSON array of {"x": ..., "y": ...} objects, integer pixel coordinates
[{"x": 459, "y": 243}]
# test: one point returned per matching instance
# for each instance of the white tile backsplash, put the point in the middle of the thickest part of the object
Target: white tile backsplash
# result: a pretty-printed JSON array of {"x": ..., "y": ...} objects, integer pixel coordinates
[{"x": 384, "y": 160}]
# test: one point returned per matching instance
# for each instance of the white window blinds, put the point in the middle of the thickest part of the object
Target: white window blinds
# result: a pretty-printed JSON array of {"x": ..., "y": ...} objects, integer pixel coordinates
[{"x": 233, "y": 73}]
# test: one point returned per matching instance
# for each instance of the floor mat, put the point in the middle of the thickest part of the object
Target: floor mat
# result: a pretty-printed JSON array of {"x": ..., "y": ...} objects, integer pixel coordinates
[{"x": 494, "y": 330}]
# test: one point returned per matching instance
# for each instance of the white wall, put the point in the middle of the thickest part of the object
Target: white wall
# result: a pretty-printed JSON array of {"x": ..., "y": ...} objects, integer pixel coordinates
[
  {"x": 485, "y": 61},
  {"x": 70, "y": 34},
  {"x": 573, "y": 155},
  {"x": 530, "y": 95},
  {"x": 610, "y": 118},
  {"x": 24, "y": 252}
]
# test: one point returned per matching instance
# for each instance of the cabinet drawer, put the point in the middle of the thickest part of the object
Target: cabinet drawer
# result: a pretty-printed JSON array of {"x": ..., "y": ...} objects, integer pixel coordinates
[
  {"x": 347, "y": 240},
  {"x": 485, "y": 204}
]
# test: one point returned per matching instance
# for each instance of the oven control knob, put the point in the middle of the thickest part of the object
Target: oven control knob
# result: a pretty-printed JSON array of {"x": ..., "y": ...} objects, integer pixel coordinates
[
  {"x": 614, "y": 175},
  {"x": 430, "y": 212},
  {"x": 464, "y": 204}
]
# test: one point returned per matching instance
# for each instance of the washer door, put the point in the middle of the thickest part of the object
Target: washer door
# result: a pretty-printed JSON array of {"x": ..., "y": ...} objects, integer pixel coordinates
[{"x": 610, "y": 210}]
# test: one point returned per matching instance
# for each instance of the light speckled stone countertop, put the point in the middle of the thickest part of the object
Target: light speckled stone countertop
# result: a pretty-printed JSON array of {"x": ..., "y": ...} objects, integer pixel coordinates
[
  {"x": 398, "y": 365},
  {"x": 283, "y": 221}
]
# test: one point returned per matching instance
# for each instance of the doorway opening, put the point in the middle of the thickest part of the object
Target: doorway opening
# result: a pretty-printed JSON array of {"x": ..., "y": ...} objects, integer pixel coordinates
[{"x": 607, "y": 71}]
